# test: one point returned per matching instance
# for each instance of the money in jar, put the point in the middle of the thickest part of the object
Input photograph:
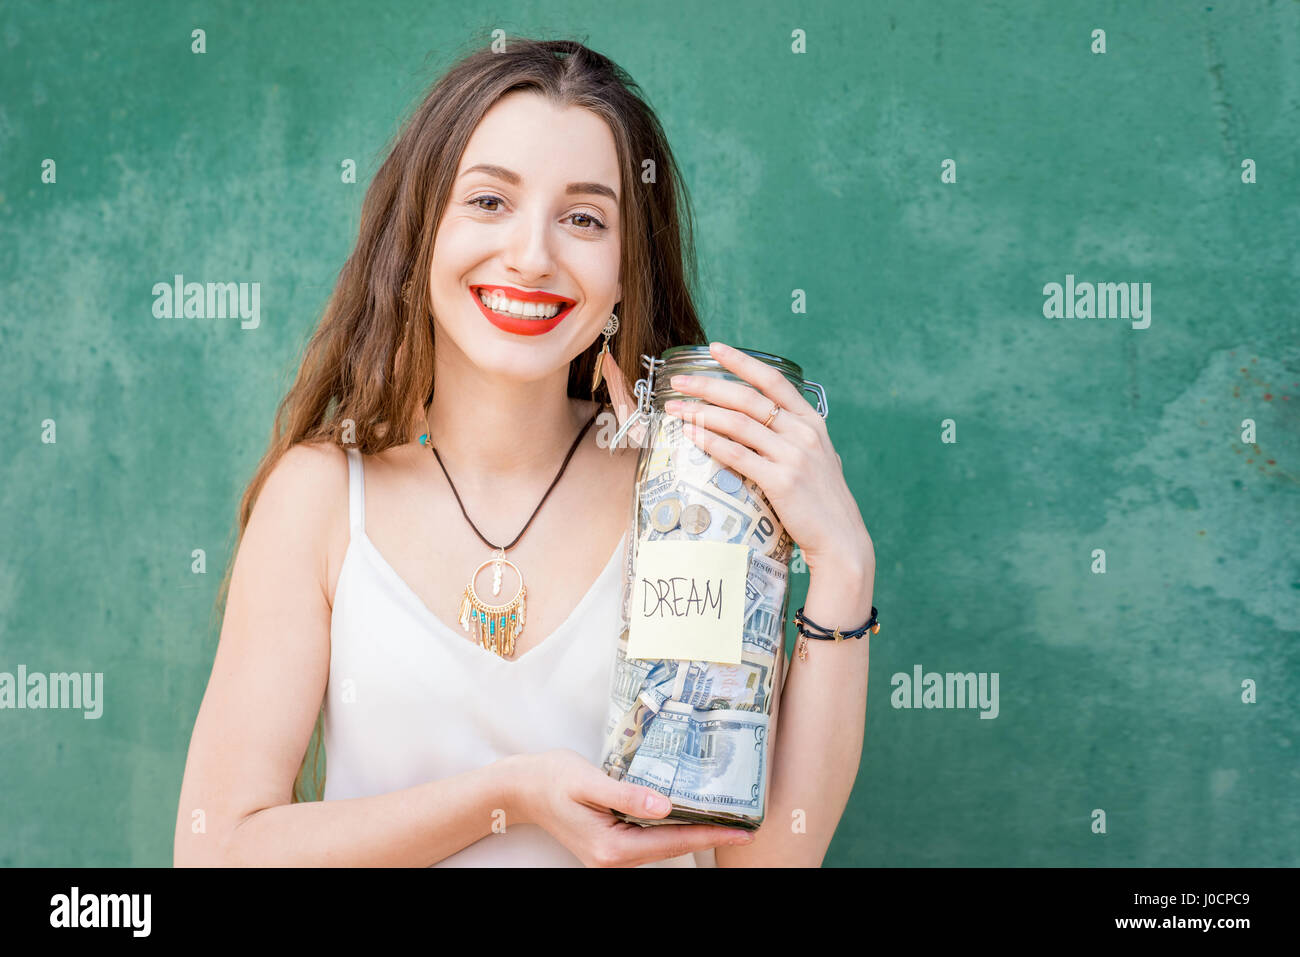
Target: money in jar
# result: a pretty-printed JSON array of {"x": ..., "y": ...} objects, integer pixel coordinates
[{"x": 697, "y": 730}]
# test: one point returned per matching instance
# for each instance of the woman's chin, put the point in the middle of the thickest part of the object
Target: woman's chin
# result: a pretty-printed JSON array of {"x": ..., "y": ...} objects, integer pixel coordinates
[
  {"x": 519, "y": 363},
  {"x": 512, "y": 358}
]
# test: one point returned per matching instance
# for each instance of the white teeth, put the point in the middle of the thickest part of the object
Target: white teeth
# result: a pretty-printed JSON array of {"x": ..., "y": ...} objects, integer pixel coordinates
[{"x": 511, "y": 307}]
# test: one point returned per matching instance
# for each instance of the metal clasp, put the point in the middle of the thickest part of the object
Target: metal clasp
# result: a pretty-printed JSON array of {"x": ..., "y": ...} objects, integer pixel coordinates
[
  {"x": 643, "y": 389},
  {"x": 815, "y": 387}
]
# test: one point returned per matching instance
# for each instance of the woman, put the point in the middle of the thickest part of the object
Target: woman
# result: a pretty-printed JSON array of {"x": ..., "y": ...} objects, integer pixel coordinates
[{"x": 529, "y": 180}]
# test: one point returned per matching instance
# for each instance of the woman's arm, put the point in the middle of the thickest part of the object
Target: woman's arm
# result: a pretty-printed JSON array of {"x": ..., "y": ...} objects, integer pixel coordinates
[
  {"x": 415, "y": 827},
  {"x": 266, "y": 689},
  {"x": 818, "y": 746}
]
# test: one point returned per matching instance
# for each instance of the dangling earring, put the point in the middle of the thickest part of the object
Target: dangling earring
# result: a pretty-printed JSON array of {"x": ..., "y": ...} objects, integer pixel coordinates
[{"x": 611, "y": 327}]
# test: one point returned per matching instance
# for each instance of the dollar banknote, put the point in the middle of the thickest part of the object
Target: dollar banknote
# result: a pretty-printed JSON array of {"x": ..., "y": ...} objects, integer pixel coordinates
[
  {"x": 712, "y": 685},
  {"x": 626, "y": 733},
  {"x": 710, "y": 761},
  {"x": 654, "y": 764},
  {"x": 723, "y": 764}
]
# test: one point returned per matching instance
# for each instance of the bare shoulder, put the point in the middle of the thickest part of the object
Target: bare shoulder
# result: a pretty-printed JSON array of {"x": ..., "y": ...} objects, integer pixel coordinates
[
  {"x": 311, "y": 460},
  {"x": 303, "y": 505},
  {"x": 307, "y": 481}
]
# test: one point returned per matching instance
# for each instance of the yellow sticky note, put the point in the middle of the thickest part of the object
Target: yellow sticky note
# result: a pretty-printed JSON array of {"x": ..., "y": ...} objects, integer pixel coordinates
[{"x": 688, "y": 601}]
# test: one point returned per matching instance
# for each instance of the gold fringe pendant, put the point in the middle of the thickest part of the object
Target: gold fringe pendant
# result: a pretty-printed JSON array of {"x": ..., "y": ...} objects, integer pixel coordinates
[{"x": 495, "y": 627}]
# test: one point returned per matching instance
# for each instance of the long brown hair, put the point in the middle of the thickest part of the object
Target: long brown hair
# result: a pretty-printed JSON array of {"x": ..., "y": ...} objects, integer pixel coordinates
[{"x": 370, "y": 361}]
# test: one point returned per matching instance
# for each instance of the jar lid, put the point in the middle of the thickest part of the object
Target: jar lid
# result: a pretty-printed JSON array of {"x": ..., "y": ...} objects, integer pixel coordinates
[{"x": 697, "y": 360}]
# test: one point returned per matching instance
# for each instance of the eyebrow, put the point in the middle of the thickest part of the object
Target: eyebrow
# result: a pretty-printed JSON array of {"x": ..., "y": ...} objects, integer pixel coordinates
[{"x": 514, "y": 179}]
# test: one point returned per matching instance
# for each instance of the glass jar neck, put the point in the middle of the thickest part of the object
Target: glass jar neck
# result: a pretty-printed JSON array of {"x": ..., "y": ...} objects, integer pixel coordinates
[{"x": 698, "y": 361}]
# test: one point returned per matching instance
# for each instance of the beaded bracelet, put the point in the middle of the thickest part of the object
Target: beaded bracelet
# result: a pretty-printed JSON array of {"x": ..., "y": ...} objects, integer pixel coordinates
[{"x": 808, "y": 628}]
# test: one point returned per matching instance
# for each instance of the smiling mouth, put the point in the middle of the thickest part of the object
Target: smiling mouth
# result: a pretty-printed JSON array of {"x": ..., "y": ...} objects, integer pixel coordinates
[
  {"x": 502, "y": 305},
  {"x": 520, "y": 318}
]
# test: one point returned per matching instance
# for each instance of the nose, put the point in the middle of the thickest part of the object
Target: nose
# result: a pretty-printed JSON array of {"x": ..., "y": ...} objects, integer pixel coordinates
[{"x": 528, "y": 249}]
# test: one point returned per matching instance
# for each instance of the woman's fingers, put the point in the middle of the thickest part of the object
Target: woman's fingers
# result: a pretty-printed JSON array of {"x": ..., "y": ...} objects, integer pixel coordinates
[
  {"x": 632, "y": 799},
  {"x": 771, "y": 386},
  {"x": 662, "y": 841},
  {"x": 624, "y": 844}
]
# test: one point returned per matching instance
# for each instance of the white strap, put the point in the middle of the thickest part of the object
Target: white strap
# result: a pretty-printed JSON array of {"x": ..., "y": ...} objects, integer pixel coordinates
[{"x": 356, "y": 491}]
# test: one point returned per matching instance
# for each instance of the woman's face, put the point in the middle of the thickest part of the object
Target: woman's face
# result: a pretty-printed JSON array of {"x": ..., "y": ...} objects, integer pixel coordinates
[{"x": 540, "y": 225}]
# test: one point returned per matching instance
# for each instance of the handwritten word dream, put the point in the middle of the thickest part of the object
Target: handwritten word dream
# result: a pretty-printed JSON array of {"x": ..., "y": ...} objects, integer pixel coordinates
[{"x": 666, "y": 596}]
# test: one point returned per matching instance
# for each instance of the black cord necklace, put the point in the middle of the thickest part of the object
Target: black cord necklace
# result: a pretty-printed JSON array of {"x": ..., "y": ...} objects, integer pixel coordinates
[{"x": 498, "y": 626}]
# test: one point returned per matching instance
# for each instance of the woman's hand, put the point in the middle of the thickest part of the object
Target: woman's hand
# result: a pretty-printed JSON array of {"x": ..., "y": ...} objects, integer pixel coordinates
[
  {"x": 569, "y": 797},
  {"x": 791, "y": 459}
]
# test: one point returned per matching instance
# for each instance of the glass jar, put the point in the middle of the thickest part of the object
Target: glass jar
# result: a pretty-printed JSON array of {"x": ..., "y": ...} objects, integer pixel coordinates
[{"x": 697, "y": 731}]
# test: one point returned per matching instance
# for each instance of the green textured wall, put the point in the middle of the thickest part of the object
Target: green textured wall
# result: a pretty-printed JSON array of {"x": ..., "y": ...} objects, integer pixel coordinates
[{"x": 818, "y": 171}]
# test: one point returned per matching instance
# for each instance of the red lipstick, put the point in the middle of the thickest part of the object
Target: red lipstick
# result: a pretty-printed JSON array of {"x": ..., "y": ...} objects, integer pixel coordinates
[{"x": 519, "y": 325}]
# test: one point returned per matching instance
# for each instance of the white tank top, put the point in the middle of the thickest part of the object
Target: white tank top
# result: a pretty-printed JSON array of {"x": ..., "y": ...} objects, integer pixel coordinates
[{"x": 412, "y": 700}]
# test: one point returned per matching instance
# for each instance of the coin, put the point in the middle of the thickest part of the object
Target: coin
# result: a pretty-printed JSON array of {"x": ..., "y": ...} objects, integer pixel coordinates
[
  {"x": 696, "y": 454},
  {"x": 728, "y": 481},
  {"x": 665, "y": 515},
  {"x": 695, "y": 519},
  {"x": 730, "y": 519}
]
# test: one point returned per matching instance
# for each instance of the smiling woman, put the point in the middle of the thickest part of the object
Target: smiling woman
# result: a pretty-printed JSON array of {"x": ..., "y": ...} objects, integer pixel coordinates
[
  {"x": 554, "y": 213},
  {"x": 486, "y": 278}
]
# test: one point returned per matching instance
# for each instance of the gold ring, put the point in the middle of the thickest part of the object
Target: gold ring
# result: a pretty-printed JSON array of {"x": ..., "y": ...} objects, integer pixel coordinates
[{"x": 771, "y": 415}]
